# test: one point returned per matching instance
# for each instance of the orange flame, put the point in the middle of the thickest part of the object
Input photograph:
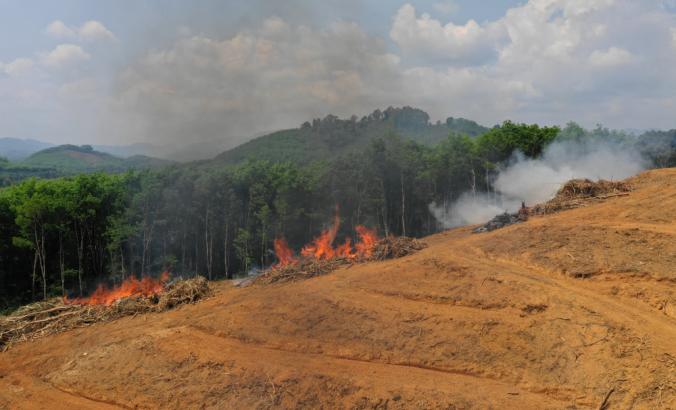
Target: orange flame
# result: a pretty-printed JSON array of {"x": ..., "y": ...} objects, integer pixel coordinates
[
  {"x": 367, "y": 241},
  {"x": 284, "y": 253},
  {"x": 130, "y": 287},
  {"x": 322, "y": 246}
]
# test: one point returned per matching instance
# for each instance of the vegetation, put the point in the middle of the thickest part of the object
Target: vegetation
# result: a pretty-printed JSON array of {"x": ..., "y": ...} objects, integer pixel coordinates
[
  {"x": 219, "y": 218},
  {"x": 323, "y": 139},
  {"x": 70, "y": 159}
]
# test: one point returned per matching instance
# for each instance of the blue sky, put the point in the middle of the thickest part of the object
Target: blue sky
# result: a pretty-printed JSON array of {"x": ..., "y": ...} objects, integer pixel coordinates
[{"x": 177, "y": 72}]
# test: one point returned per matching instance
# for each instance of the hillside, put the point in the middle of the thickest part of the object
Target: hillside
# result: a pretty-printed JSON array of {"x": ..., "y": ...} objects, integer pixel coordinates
[
  {"x": 331, "y": 136},
  {"x": 68, "y": 159},
  {"x": 562, "y": 311}
]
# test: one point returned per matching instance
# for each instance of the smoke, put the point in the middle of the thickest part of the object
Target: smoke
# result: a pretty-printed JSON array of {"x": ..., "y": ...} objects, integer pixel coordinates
[{"x": 537, "y": 180}]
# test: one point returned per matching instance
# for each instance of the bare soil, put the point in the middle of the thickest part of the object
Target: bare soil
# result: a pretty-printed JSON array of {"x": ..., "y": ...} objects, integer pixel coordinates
[{"x": 563, "y": 311}]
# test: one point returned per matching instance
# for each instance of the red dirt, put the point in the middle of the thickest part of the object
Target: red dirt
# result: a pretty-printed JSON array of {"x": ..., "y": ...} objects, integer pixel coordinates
[{"x": 552, "y": 313}]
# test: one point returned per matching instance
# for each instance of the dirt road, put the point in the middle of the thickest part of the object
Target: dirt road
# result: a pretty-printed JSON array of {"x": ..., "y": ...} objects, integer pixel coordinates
[{"x": 560, "y": 312}]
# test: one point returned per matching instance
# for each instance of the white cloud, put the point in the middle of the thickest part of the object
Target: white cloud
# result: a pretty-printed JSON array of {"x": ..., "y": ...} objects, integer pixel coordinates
[
  {"x": 91, "y": 30},
  {"x": 95, "y": 31},
  {"x": 17, "y": 67},
  {"x": 426, "y": 38},
  {"x": 549, "y": 61},
  {"x": 611, "y": 57},
  {"x": 58, "y": 29},
  {"x": 64, "y": 54}
]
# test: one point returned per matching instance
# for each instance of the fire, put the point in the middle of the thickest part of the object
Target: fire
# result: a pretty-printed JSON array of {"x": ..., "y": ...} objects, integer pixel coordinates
[
  {"x": 283, "y": 253},
  {"x": 322, "y": 247},
  {"x": 367, "y": 241},
  {"x": 130, "y": 287}
]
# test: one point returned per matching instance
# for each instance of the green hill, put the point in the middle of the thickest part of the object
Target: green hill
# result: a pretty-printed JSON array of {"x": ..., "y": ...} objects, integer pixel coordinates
[
  {"x": 70, "y": 159},
  {"x": 331, "y": 136}
]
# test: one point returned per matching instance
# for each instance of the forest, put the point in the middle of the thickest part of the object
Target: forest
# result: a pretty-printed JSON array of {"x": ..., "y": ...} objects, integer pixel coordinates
[{"x": 63, "y": 236}]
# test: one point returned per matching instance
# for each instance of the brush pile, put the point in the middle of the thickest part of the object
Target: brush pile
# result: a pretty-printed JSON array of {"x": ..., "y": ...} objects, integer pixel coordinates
[
  {"x": 499, "y": 221},
  {"x": 396, "y": 247},
  {"x": 579, "y": 192},
  {"x": 182, "y": 292},
  {"x": 53, "y": 316},
  {"x": 304, "y": 268},
  {"x": 308, "y": 267}
]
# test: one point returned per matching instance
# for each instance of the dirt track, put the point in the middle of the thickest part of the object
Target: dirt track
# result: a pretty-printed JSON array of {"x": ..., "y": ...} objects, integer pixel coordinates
[{"x": 555, "y": 313}]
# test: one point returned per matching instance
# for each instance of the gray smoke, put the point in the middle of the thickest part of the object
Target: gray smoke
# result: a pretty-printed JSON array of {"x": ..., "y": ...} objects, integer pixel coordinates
[{"x": 537, "y": 180}]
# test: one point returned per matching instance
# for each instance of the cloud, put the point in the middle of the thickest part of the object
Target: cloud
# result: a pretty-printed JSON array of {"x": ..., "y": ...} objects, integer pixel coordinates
[
  {"x": 17, "y": 67},
  {"x": 611, "y": 57},
  {"x": 545, "y": 61},
  {"x": 90, "y": 31},
  {"x": 58, "y": 29},
  {"x": 95, "y": 31},
  {"x": 426, "y": 38},
  {"x": 64, "y": 54},
  {"x": 589, "y": 60}
]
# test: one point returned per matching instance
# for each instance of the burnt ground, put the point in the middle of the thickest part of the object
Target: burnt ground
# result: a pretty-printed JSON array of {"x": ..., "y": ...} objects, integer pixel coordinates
[{"x": 558, "y": 312}]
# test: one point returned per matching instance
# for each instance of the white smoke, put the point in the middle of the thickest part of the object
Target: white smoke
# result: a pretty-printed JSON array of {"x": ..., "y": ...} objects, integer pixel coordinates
[{"x": 537, "y": 180}]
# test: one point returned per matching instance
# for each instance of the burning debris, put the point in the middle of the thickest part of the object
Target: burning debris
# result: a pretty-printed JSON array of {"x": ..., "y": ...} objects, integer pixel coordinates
[
  {"x": 131, "y": 287},
  {"x": 132, "y": 297},
  {"x": 573, "y": 194},
  {"x": 321, "y": 257}
]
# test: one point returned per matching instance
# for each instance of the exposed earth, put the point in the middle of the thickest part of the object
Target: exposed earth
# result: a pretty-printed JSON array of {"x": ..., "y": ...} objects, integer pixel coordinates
[{"x": 575, "y": 310}]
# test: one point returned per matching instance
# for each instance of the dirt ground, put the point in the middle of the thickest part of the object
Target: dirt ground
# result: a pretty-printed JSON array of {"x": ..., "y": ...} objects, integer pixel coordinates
[{"x": 560, "y": 312}]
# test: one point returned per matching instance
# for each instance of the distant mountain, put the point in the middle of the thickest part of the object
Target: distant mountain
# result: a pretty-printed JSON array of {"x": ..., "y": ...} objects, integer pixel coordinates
[
  {"x": 76, "y": 159},
  {"x": 16, "y": 149},
  {"x": 325, "y": 138}
]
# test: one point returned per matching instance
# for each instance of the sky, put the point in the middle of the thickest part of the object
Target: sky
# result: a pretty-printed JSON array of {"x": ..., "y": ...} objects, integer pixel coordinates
[{"x": 175, "y": 73}]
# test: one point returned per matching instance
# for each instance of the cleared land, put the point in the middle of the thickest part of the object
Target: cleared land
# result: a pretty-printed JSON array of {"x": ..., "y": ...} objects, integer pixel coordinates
[{"x": 562, "y": 311}]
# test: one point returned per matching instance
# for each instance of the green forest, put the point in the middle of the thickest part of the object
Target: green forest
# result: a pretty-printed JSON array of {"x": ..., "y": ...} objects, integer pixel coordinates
[{"x": 64, "y": 235}]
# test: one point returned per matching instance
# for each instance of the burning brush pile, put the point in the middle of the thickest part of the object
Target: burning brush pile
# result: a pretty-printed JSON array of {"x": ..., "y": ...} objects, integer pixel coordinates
[
  {"x": 131, "y": 297},
  {"x": 321, "y": 257}
]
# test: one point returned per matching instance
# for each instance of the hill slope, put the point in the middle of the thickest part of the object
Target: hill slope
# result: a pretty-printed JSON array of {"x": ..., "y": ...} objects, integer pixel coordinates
[
  {"x": 558, "y": 312},
  {"x": 329, "y": 137},
  {"x": 76, "y": 159}
]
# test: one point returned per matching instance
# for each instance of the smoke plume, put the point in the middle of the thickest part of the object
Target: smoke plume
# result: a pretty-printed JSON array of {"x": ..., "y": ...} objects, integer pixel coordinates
[{"x": 537, "y": 180}]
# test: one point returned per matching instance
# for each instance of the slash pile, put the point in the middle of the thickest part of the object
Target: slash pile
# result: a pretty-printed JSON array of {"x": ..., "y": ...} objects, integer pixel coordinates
[
  {"x": 307, "y": 267},
  {"x": 579, "y": 192},
  {"x": 396, "y": 247},
  {"x": 573, "y": 194},
  {"x": 53, "y": 316}
]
